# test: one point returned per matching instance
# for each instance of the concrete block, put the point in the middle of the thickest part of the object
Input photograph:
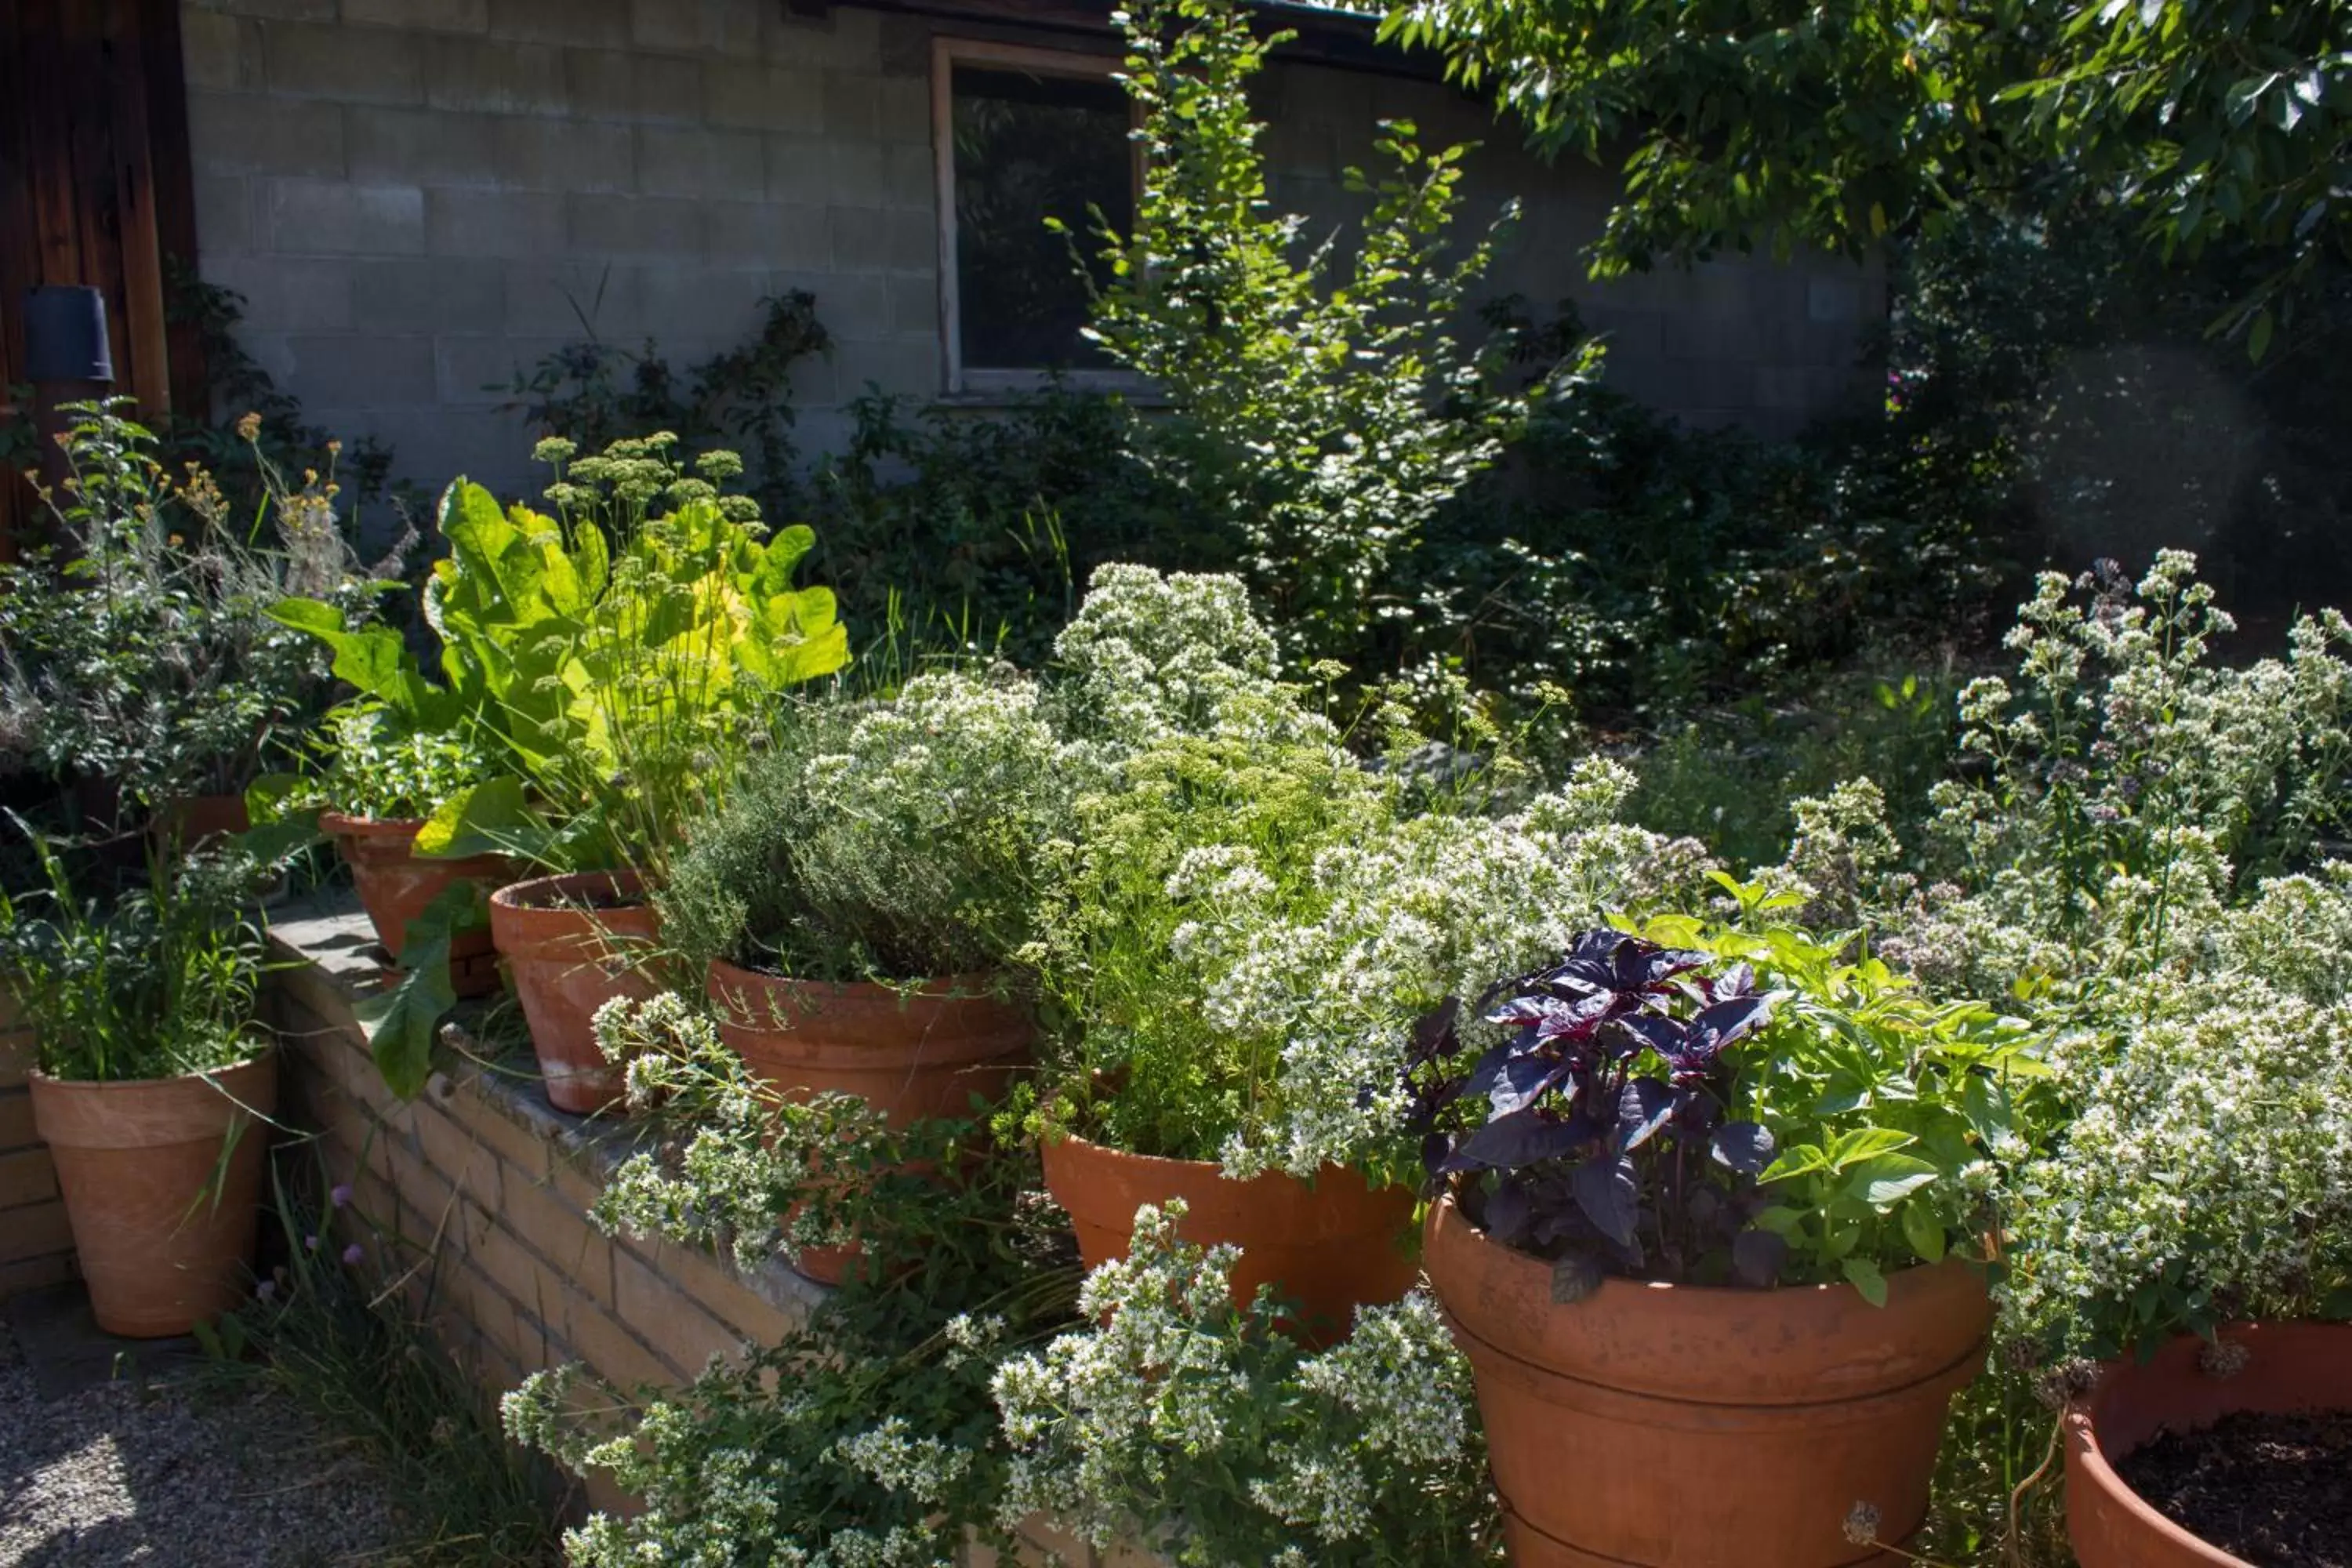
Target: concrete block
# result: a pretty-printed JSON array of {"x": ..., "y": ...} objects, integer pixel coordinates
[
  {"x": 1835, "y": 301},
  {"x": 565, "y": 155},
  {"x": 315, "y": 216},
  {"x": 767, "y": 234},
  {"x": 606, "y": 84},
  {"x": 574, "y": 299},
  {"x": 914, "y": 305},
  {"x": 696, "y": 26},
  {"x": 871, "y": 239},
  {"x": 702, "y": 303},
  {"x": 852, "y": 101},
  {"x": 244, "y": 133},
  {"x": 696, "y": 161},
  {"x": 912, "y": 368},
  {"x": 856, "y": 173},
  {"x": 494, "y": 75},
  {"x": 1712, "y": 339},
  {"x": 277, "y": 10},
  {"x": 799, "y": 168},
  {"x": 300, "y": 60},
  {"x": 480, "y": 371},
  {"x": 424, "y": 146},
  {"x": 911, "y": 177},
  {"x": 602, "y": 23},
  {"x": 291, "y": 294},
  {"x": 219, "y": 51},
  {"x": 903, "y": 46},
  {"x": 902, "y": 110},
  {"x": 493, "y": 223},
  {"x": 764, "y": 97},
  {"x": 653, "y": 226},
  {"x": 429, "y": 16},
  {"x": 853, "y": 306},
  {"x": 847, "y": 38}
]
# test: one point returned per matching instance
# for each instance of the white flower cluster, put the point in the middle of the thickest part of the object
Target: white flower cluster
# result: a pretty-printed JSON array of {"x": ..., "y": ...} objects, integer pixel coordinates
[
  {"x": 1438, "y": 905},
  {"x": 1178, "y": 1416}
]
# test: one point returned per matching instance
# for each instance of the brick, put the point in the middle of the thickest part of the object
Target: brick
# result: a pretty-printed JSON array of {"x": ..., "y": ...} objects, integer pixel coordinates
[
  {"x": 515, "y": 1268},
  {"x": 493, "y": 75},
  {"x": 303, "y": 61},
  {"x": 431, "y": 15},
  {"x": 34, "y": 1231},
  {"x": 519, "y": 1146},
  {"x": 381, "y": 370},
  {"x": 422, "y": 146},
  {"x": 651, "y": 226},
  {"x": 565, "y": 155},
  {"x": 494, "y": 223},
  {"x": 766, "y": 97},
  {"x": 559, "y": 1232},
  {"x": 243, "y": 134},
  {"x": 26, "y": 1176},
  {"x": 716, "y": 1285},
  {"x": 618, "y": 1355},
  {"x": 488, "y": 1310},
  {"x": 613, "y": 85},
  {"x": 291, "y": 294},
  {"x": 35, "y": 1273},
  {"x": 604, "y": 1495},
  {"x": 466, "y": 1164},
  {"x": 219, "y": 51},
  {"x": 314, "y": 216},
  {"x": 768, "y": 233},
  {"x": 18, "y": 1052},
  {"x": 16, "y": 1120},
  {"x": 668, "y": 1319},
  {"x": 445, "y": 294},
  {"x": 694, "y": 161},
  {"x": 560, "y": 21}
]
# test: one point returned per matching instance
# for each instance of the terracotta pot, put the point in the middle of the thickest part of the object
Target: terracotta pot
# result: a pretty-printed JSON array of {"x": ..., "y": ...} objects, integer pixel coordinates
[
  {"x": 1676, "y": 1424},
  {"x": 2288, "y": 1367},
  {"x": 164, "y": 1224},
  {"x": 1332, "y": 1246},
  {"x": 193, "y": 821},
  {"x": 913, "y": 1056},
  {"x": 395, "y": 885},
  {"x": 571, "y": 944}
]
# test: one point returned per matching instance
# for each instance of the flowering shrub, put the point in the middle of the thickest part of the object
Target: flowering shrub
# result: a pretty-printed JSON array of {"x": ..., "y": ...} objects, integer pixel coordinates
[{"x": 1180, "y": 1420}]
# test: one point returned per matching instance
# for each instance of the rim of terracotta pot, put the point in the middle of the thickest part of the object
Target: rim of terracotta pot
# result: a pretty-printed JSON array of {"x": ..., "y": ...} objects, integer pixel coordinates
[
  {"x": 549, "y": 909},
  {"x": 2087, "y": 1460},
  {"x": 1635, "y": 1336},
  {"x": 338, "y": 825},
  {"x": 918, "y": 1013},
  {"x": 56, "y": 1123},
  {"x": 1270, "y": 1198}
]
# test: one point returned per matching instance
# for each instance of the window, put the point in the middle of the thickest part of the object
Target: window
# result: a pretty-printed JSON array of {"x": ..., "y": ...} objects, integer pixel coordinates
[{"x": 1024, "y": 135}]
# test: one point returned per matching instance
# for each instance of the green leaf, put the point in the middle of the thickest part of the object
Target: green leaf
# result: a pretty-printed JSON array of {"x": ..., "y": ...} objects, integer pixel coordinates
[
  {"x": 1885, "y": 1180},
  {"x": 401, "y": 1023},
  {"x": 2258, "y": 336},
  {"x": 1924, "y": 1231},
  {"x": 1863, "y": 1144},
  {"x": 1864, "y": 1276},
  {"x": 489, "y": 819}
]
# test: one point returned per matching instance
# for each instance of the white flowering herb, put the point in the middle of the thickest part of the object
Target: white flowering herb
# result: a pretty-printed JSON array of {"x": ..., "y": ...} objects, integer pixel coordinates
[{"x": 1177, "y": 1420}]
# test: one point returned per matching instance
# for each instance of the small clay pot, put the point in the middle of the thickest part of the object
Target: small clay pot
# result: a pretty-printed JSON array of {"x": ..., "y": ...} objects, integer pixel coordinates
[
  {"x": 162, "y": 1222},
  {"x": 572, "y": 943},
  {"x": 194, "y": 821},
  {"x": 914, "y": 1056},
  {"x": 2286, "y": 1368},
  {"x": 395, "y": 883},
  {"x": 1331, "y": 1247},
  {"x": 1704, "y": 1427}
]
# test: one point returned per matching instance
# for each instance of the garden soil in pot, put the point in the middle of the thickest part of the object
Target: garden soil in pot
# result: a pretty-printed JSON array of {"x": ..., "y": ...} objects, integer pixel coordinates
[
  {"x": 572, "y": 943},
  {"x": 1332, "y": 1246},
  {"x": 1681, "y": 1427},
  {"x": 163, "y": 1223},
  {"x": 2209, "y": 1457}
]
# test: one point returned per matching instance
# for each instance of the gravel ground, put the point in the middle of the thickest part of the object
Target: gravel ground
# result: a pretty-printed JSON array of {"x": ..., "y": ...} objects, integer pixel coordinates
[{"x": 177, "y": 1471}]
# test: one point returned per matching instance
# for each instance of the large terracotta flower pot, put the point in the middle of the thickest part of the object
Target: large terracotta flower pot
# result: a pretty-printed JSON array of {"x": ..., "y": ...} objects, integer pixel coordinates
[
  {"x": 913, "y": 1056},
  {"x": 1672, "y": 1425},
  {"x": 2286, "y": 1368},
  {"x": 571, "y": 944},
  {"x": 395, "y": 885},
  {"x": 1331, "y": 1247},
  {"x": 162, "y": 1222}
]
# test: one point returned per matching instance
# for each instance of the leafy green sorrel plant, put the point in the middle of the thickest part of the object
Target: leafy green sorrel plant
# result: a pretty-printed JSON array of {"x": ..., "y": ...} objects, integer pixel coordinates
[
  {"x": 1747, "y": 1108},
  {"x": 159, "y": 980}
]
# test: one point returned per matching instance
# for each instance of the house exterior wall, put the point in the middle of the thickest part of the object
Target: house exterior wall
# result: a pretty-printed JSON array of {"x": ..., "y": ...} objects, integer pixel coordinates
[{"x": 420, "y": 198}]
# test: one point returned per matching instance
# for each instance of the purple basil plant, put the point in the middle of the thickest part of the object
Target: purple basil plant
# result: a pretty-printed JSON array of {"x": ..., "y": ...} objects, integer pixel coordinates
[{"x": 1597, "y": 1133}]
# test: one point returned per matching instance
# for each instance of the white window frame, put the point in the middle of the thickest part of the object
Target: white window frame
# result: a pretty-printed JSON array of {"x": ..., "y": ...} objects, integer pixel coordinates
[{"x": 946, "y": 54}]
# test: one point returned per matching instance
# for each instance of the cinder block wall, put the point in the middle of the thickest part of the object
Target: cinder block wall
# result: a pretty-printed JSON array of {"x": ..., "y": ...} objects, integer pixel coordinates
[
  {"x": 418, "y": 197},
  {"x": 35, "y": 1243}
]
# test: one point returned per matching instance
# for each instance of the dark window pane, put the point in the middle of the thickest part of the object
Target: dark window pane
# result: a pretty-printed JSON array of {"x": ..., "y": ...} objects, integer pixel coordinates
[{"x": 1028, "y": 148}]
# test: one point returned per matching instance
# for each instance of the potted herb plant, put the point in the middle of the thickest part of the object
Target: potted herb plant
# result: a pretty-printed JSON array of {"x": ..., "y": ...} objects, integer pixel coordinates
[
  {"x": 1709, "y": 1224},
  {"x": 862, "y": 906},
  {"x": 153, "y": 1084},
  {"x": 2187, "y": 1264}
]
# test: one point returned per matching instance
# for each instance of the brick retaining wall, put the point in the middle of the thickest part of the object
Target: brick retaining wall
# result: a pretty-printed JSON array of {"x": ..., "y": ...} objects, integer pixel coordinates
[{"x": 35, "y": 1246}]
